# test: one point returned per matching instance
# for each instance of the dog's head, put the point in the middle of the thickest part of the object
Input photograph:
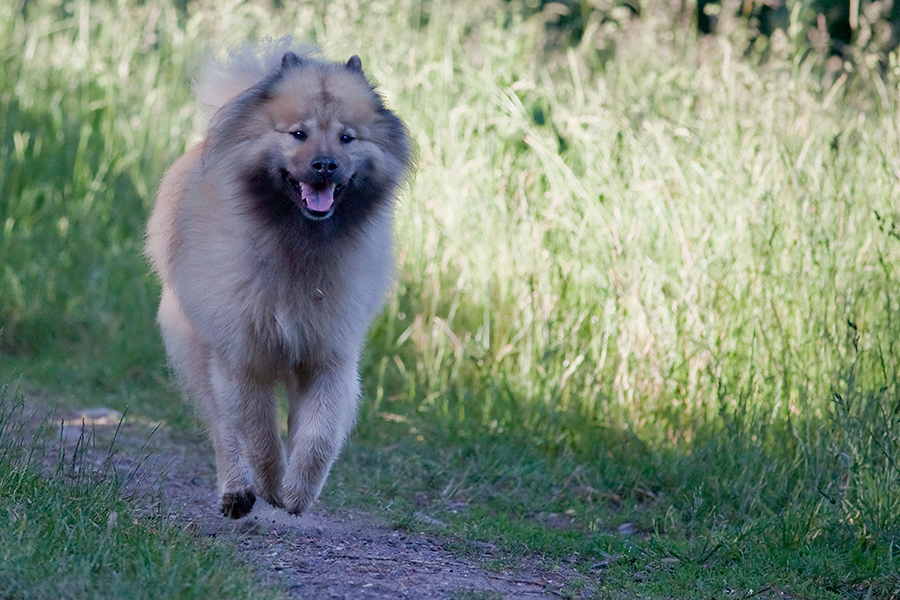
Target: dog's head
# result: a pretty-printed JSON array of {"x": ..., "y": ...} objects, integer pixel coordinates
[{"x": 313, "y": 139}]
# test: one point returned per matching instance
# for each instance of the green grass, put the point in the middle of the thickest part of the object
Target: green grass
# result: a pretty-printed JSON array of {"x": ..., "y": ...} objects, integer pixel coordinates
[
  {"x": 646, "y": 279},
  {"x": 69, "y": 517}
]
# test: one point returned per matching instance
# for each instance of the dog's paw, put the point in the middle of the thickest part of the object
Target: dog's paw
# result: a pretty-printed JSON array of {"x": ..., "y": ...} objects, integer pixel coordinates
[
  {"x": 237, "y": 504},
  {"x": 273, "y": 499},
  {"x": 297, "y": 503},
  {"x": 297, "y": 510}
]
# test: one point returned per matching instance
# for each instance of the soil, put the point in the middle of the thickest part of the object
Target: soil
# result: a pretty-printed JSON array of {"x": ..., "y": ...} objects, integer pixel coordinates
[{"x": 345, "y": 555}]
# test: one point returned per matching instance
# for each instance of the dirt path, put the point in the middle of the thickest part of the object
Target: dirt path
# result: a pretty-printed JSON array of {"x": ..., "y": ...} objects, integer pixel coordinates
[{"x": 348, "y": 556}]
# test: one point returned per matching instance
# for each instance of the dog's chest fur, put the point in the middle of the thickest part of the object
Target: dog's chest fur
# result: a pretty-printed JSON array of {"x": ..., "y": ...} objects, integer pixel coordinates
[{"x": 272, "y": 310}]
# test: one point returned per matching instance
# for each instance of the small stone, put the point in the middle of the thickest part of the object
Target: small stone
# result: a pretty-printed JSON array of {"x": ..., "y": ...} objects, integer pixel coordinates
[{"x": 423, "y": 518}]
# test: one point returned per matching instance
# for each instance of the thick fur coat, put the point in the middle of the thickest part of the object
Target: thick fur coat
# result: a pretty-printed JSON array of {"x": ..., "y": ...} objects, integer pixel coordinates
[{"x": 273, "y": 241}]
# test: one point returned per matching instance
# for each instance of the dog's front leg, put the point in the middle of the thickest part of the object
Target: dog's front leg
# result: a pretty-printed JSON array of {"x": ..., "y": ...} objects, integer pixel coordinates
[
  {"x": 322, "y": 411},
  {"x": 250, "y": 412}
]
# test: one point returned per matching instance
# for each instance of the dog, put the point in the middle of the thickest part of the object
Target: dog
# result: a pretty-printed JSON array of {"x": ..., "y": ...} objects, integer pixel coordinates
[{"x": 272, "y": 239}]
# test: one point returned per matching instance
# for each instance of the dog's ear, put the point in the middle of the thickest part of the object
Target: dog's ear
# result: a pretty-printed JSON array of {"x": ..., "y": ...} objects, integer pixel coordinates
[
  {"x": 354, "y": 64},
  {"x": 290, "y": 60}
]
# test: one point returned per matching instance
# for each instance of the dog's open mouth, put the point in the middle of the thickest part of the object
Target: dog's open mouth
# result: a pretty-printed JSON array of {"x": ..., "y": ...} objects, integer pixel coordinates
[{"x": 316, "y": 202}]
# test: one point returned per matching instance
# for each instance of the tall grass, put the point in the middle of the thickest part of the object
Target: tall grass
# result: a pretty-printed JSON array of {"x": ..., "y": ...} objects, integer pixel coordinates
[
  {"x": 667, "y": 235},
  {"x": 666, "y": 264}
]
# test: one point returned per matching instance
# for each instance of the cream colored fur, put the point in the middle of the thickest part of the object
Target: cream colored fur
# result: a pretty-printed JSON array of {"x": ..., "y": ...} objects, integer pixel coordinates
[{"x": 242, "y": 311}]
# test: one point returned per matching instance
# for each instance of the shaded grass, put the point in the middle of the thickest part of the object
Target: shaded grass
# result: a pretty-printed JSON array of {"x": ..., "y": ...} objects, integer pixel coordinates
[
  {"x": 650, "y": 285},
  {"x": 69, "y": 530},
  {"x": 735, "y": 513}
]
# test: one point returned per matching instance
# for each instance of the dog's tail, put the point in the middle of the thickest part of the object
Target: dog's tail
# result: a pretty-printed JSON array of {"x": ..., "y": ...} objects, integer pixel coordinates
[{"x": 234, "y": 70}]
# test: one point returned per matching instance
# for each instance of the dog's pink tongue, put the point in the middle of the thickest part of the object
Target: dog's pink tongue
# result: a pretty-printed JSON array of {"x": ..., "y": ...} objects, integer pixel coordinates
[{"x": 318, "y": 200}]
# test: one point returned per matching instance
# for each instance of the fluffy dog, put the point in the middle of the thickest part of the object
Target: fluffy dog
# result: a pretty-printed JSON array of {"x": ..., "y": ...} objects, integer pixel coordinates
[{"x": 273, "y": 241}]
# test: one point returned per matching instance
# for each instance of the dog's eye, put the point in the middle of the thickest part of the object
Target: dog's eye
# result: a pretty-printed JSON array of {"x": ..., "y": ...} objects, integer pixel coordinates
[
  {"x": 347, "y": 138},
  {"x": 299, "y": 135}
]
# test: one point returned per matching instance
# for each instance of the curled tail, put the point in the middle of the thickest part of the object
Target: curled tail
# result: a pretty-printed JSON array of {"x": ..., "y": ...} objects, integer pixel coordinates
[{"x": 234, "y": 70}]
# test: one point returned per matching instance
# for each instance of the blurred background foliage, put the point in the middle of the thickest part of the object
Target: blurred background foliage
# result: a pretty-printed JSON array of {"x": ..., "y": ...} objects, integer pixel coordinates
[{"x": 860, "y": 32}]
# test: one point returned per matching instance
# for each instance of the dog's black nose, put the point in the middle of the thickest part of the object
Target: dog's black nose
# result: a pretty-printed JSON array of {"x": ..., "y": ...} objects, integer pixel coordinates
[{"x": 324, "y": 165}]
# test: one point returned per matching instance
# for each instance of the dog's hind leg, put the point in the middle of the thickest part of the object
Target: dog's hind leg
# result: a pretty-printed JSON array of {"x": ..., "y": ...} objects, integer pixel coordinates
[{"x": 322, "y": 412}]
